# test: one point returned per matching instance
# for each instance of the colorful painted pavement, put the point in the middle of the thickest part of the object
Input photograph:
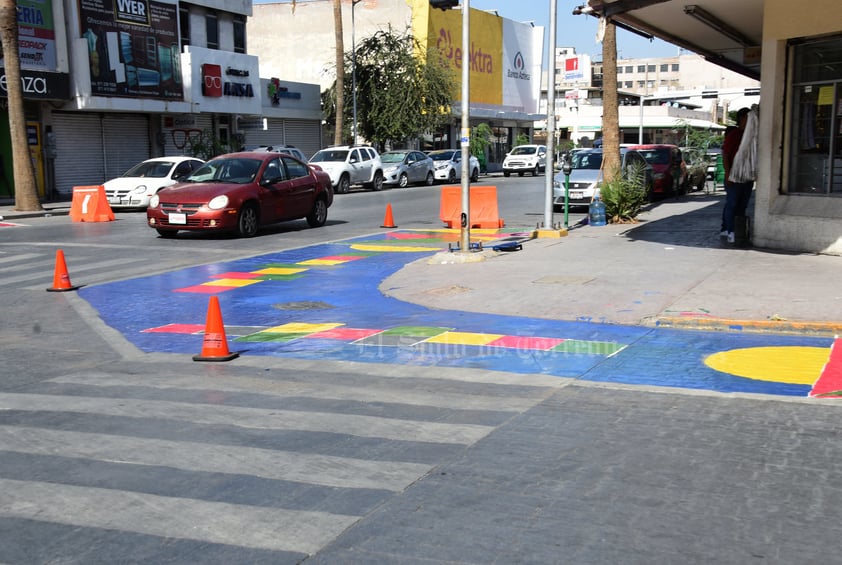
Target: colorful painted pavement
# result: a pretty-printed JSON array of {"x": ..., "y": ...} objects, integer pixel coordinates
[{"x": 322, "y": 302}]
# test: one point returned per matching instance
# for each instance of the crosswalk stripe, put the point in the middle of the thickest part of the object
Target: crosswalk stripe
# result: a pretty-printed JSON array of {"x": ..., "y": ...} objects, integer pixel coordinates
[
  {"x": 398, "y": 394},
  {"x": 261, "y": 418},
  {"x": 325, "y": 470},
  {"x": 215, "y": 522},
  {"x": 20, "y": 257}
]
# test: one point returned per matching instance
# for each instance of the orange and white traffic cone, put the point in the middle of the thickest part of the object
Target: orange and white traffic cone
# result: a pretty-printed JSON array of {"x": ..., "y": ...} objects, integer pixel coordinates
[
  {"x": 61, "y": 278},
  {"x": 388, "y": 222},
  {"x": 215, "y": 345}
]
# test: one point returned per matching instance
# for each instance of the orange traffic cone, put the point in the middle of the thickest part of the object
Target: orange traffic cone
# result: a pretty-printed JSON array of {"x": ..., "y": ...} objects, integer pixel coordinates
[
  {"x": 215, "y": 346},
  {"x": 61, "y": 279},
  {"x": 388, "y": 222}
]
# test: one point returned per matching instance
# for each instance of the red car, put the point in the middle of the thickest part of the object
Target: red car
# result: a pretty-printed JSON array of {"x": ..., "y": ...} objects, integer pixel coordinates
[
  {"x": 668, "y": 168},
  {"x": 241, "y": 192}
]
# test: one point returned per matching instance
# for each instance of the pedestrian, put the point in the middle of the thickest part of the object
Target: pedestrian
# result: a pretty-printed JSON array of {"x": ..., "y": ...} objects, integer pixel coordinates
[{"x": 737, "y": 193}]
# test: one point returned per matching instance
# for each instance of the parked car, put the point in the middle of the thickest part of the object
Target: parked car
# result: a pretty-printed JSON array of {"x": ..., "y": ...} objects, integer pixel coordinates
[
  {"x": 586, "y": 175},
  {"x": 696, "y": 165},
  {"x": 666, "y": 161},
  {"x": 403, "y": 167},
  {"x": 448, "y": 165},
  {"x": 281, "y": 148},
  {"x": 525, "y": 158},
  {"x": 137, "y": 185},
  {"x": 350, "y": 165},
  {"x": 240, "y": 192}
]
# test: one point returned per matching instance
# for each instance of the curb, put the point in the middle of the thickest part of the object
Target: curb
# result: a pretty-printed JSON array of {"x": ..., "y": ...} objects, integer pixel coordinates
[
  {"x": 818, "y": 329},
  {"x": 46, "y": 213}
]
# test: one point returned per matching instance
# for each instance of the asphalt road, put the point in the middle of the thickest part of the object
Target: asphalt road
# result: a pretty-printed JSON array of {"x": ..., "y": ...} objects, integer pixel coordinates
[{"x": 111, "y": 454}]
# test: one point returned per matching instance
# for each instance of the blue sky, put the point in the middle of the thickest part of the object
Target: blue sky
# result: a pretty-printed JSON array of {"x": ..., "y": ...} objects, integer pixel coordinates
[{"x": 571, "y": 31}]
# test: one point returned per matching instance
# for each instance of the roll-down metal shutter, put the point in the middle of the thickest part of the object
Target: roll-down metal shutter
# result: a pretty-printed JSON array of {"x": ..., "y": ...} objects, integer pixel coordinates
[
  {"x": 79, "y": 156},
  {"x": 127, "y": 143},
  {"x": 304, "y": 134},
  {"x": 273, "y": 135}
]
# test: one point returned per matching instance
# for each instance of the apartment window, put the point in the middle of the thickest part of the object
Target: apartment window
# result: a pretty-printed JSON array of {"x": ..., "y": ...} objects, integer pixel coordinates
[
  {"x": 650, "y": 68},
  {"x": 641, "y": 68},
  {"x": 184, "y": 25},
  {"x": 641, "y": 84},
  {"x": 628, "y": 84},
  {"x": 814, "y": 124},
  {"x": 665, "y": 68},
  {"x": 212, "y": 30},
  {"x": 239, "y": 34},
  {"x": 675, "y": 67},
  {"x": 629, "y": 69}
]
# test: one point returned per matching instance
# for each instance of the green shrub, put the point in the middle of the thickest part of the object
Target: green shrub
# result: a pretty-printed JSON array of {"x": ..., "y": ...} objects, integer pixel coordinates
[{"x": 625, "y": 195}]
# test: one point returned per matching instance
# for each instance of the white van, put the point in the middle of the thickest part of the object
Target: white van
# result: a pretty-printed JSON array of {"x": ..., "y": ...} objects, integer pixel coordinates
[{"x": 525, "y": 159}]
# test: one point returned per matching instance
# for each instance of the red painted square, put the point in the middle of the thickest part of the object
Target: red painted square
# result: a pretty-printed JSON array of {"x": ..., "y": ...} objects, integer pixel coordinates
[
  {"x": 176, "y": 329},
  {"x": 204, "y": 289},
  {"x": 345, "y": 334},
  {"x": 526, "y": 343}
]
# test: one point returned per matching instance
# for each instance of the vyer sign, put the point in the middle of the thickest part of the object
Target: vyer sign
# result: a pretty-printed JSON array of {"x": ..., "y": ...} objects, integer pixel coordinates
[{"x": 132, "y": 11}]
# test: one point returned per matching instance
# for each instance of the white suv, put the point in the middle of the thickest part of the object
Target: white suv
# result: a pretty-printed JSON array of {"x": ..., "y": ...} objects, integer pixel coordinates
[
  {"x": 525, "y": 158},
  {"x": 351, "y": 165}
]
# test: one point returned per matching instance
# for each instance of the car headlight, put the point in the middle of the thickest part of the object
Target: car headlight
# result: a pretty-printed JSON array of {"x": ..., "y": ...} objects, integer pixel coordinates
[
  {"x": 390, "y": 170},
  {"x": 153, "y": 202},
  {"x": 218, "y": 202},
  {"x": 140, "y": 189},
  {"x": 441, "y": 166}
]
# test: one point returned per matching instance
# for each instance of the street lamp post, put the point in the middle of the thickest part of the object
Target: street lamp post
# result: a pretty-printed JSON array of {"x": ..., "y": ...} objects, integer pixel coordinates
[{"x": 354, "y": 66}]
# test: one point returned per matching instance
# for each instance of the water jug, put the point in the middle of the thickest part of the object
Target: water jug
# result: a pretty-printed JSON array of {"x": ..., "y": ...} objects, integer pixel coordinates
[{"x": 596, "y": 213}]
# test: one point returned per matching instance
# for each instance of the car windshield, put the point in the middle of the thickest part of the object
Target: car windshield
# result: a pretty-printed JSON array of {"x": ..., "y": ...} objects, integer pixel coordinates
[
  {"x": 587, "y": 160},
  {"x": 392, "y": 157},
  {"x": 232, "y": 170},
  {"x": 156, "y": 169},
  {"x": 656, "y": 156},
  {"x": 441, "y": 155},
  {"x": 330, "y": 155},
  {"x": 524, "y": 150}
]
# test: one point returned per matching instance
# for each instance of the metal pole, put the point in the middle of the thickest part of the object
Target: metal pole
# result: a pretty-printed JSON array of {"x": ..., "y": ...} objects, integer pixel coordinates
[
  {"x": 640, "y": 130},
  {"x": 465, "y": 137},
  {"x": 354, "y": 66},
  {"x": 550, "y": 169}
]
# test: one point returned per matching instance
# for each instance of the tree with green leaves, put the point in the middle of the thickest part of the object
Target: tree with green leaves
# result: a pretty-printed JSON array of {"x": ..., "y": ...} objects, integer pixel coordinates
[
  {"x": 401, "y": 93},
  {"x": 26, "y": 191}
]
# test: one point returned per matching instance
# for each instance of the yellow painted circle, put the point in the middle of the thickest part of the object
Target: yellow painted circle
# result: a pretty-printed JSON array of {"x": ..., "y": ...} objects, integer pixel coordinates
[{"x": 793, "y": 365}]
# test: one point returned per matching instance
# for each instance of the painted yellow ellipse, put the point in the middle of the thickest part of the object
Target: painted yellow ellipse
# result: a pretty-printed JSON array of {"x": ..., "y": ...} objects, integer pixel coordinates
[{"x": 793, "y": 365}]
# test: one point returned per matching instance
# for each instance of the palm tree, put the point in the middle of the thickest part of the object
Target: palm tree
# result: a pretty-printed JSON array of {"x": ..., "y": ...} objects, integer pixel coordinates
[
  {"x": 26, "y": 193},
  {"x": 340, "y": 71},
  {"x": 610, "y": 109}
]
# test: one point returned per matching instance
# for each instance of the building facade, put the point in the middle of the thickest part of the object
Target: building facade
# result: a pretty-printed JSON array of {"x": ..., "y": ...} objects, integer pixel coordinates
[
  {"x": 147, "y": 78},
  {"x": 505, "y": 70}
]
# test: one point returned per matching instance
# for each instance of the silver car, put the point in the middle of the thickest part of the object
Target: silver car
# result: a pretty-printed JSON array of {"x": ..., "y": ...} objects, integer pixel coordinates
[
  {"x": 448, "y": 165},
  {"x": 587, "y": 174},
  {"x": 404, "y": 167}
]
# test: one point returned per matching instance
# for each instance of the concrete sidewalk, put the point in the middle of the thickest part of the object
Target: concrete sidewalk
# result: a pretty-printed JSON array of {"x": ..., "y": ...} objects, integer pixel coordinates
[{"x": 670, "y": 269}]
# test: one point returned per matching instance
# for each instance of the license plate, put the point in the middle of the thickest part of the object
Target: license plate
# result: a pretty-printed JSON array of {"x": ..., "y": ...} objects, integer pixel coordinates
[
  {"x": 114, "y": 200},
  {"x": 576, "y": 195},
  {"x": 178, "y": 218}
]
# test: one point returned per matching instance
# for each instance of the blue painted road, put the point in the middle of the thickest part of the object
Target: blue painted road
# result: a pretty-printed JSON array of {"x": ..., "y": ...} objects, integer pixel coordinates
[{"x": 322, "y": 302}]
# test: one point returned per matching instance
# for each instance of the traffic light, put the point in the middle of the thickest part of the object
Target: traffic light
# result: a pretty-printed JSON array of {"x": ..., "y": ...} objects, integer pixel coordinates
[{"x": 444, "y": 4}]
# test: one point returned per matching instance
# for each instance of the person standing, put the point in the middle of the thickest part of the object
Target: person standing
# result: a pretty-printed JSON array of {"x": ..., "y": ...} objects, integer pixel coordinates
[{"x": 737, "y": 194}]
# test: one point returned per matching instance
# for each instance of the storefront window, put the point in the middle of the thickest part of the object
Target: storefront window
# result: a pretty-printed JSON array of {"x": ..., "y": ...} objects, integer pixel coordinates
[{"x": 814, "y": 145}]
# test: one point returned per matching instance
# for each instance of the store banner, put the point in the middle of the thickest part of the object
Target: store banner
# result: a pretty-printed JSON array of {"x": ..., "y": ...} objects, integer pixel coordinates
[
  {"x": 133, "y": 48},
  {"x": 522, "y": 46}
]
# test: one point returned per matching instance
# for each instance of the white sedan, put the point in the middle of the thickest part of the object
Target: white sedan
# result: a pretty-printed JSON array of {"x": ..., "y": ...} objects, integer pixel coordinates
[
  {"x": 447, "y": 165},
  {"x": 141, "y": 182}
]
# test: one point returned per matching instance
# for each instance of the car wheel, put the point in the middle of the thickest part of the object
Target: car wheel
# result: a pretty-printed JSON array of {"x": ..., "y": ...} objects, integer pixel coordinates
[
  {"x": 536, "y": 171},
  {"x": 451, "y": 176},
  {"x": 430, "y": 179},
  {"x": 506, "y": 173},
  {"x": 167, "y": 234},
  {"x": 344, "y": 184},
  {"x": 377, "y": 183},
  {"x": 318, "y": 216},
  {"x": 247, "y": 222},
  {"x": 520, "y": 174},
  {"x": 475, "y": 175},
  {"x": 403, "y": 180}
]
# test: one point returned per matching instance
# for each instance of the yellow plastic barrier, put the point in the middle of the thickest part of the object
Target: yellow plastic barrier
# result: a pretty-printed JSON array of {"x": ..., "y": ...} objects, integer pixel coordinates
[
  {"x": 90, "y": 204},
  {"x": 483, "y": 204}
]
